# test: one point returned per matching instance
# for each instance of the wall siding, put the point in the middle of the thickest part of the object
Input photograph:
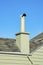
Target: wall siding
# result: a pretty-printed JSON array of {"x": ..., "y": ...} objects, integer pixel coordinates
[
  {"x": 37, "y": 57},
  {"x": 7, "y": 59}
]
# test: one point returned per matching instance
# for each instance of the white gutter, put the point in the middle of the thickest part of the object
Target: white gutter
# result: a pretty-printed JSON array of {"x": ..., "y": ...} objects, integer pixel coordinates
[{"x": 14, "y": 53}]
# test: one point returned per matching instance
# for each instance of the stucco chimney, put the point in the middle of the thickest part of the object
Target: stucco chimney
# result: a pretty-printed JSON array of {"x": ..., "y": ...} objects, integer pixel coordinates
[{"x": 22, "y": 39}]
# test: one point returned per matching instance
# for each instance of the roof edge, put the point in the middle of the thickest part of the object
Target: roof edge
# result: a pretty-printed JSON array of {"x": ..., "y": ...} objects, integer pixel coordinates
[{"x": 15, "y": 53}]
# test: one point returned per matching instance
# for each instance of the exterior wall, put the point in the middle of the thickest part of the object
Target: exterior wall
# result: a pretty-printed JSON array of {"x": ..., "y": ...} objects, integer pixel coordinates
[
  {"x": 8, "y": 59},
  {"x": 37, "y": 56}
]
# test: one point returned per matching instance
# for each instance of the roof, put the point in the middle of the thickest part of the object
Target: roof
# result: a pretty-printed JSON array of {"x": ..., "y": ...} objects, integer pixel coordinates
[
  {"x": 9, "y": 45},
  {"x": 36, "y": 42}
]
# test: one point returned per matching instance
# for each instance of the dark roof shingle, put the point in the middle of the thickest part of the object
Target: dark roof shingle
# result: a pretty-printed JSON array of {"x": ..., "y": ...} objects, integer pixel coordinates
[{"x": 9, "y": 45}]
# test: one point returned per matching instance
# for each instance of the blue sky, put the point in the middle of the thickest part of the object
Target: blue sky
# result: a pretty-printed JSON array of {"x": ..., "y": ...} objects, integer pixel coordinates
[{"x": 10, "y": 11}]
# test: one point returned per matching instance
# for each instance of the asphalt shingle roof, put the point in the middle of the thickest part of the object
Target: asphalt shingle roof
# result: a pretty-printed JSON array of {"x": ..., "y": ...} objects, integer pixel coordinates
[{"x": 9, "y": 45}]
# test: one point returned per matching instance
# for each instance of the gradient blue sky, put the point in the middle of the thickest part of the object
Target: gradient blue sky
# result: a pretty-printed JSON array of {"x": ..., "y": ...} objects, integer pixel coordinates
[{"x": 10, "y": 11}]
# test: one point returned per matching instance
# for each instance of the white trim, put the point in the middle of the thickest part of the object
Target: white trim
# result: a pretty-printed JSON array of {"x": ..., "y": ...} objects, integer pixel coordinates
[{"x": 14, "y": 53}]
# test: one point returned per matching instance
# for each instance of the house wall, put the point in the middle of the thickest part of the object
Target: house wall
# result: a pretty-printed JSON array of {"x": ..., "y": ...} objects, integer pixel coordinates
[
  {"x": 8, "y": 59},
  {"x": 37, "y": 56}
]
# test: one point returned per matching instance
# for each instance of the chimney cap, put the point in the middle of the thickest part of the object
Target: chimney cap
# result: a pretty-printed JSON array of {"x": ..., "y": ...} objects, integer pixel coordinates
[{"x": 24, "y": 15}]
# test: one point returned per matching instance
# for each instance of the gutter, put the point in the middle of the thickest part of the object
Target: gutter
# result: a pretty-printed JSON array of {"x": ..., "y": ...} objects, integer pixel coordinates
[{"x": 15, "y": 53}]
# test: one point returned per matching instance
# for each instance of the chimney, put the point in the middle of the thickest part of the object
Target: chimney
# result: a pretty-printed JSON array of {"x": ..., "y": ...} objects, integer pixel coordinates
[
  {"x": 22, "y": 39},
  {"x": 22, "y": 23}
]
